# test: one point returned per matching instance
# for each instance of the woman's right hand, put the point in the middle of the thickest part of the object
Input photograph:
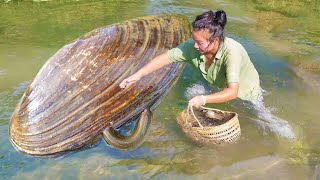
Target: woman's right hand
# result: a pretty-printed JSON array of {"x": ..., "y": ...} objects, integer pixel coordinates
[
  {"x": 130, "y": 80},
  {"x": 156, "y": 63}
]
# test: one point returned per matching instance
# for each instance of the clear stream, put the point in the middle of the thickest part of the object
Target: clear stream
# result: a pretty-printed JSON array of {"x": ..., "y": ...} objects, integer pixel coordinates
[{"x": 282, "y": 39}]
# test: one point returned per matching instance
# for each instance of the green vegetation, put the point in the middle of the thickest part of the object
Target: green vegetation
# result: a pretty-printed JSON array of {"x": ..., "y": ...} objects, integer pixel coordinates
[
  {"x": 55, "y": 23},
  {"x": 289, "y": 8},
  {"x": 290, "y": 28}
]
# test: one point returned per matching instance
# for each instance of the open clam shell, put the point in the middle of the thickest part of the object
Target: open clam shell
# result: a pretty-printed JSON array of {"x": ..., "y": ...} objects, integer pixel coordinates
[{"x": 76, "y": 94}]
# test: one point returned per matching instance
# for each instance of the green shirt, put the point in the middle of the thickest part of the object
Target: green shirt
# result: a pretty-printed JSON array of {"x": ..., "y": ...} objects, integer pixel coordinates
[{"x": 231, "y": 65}]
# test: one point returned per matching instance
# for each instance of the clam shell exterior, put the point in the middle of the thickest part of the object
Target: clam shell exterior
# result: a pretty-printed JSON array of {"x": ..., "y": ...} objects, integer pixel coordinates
[{"x": 76, "y": 94}]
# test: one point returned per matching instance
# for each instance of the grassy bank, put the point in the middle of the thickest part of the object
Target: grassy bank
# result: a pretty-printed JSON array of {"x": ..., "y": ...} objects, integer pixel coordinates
[{"x": 289, "y": 8}]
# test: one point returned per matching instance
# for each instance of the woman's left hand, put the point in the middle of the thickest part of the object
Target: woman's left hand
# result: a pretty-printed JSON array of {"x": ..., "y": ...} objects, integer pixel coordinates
[{"x": 197, "y": 102}]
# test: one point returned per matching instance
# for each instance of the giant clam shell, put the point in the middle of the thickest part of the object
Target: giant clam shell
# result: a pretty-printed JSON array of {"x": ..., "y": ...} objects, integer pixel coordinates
[{"x": 76, "y": 94}]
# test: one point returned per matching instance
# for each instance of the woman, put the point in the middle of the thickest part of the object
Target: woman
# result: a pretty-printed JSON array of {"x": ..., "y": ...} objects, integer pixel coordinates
[{"x": 222, "y": 61}]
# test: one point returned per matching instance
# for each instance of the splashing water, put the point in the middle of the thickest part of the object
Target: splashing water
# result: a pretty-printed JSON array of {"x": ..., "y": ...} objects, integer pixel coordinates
[
  {"x": 265, "y": 119},
  {"x": 196, "y": 90},
  {"x": 269, "y": 122}
]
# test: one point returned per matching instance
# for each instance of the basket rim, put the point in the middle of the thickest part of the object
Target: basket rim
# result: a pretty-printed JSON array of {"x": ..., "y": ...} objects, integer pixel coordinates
[
  {"x": 229, "y": 121},
  {"x": 226, "y": 133}
]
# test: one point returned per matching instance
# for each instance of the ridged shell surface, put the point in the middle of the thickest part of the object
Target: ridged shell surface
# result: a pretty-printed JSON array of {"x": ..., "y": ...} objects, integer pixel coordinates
[{"x": 76, "y": 93}]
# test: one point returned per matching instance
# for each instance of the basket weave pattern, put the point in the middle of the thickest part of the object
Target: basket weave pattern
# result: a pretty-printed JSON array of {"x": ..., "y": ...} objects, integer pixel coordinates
[{"x": 226, "y": 133}]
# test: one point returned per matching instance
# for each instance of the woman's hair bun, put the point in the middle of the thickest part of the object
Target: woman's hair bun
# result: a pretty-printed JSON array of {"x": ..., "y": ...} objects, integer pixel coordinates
[
  {"x": 221, "y": 17},
  {"x": 212, "y": 21}
]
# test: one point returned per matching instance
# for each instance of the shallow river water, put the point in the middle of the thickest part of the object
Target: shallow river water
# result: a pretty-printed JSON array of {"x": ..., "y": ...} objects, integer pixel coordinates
[{"x": 282, "y": 41}]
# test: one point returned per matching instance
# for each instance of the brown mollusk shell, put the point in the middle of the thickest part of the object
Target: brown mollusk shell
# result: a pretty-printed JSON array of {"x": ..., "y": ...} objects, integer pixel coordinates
[{"x": 76, "y": 94}]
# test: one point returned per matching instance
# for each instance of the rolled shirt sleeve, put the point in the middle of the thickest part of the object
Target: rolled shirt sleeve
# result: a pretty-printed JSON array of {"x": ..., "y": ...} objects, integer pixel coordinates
[{"x": 181, "y": 52}]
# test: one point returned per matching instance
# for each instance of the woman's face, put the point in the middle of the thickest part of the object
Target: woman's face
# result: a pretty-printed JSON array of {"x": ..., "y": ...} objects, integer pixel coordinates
[{"x": 201, "y": 41}]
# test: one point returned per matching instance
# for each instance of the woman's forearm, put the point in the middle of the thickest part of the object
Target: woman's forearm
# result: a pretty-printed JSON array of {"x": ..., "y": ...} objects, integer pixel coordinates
[
  {"x": 155, "y": 64},
  {"x": 227, "y": 94}
]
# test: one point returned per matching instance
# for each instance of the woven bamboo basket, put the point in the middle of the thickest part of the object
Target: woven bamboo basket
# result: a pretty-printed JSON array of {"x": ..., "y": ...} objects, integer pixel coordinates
[{"x": 225, "y": 132}]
